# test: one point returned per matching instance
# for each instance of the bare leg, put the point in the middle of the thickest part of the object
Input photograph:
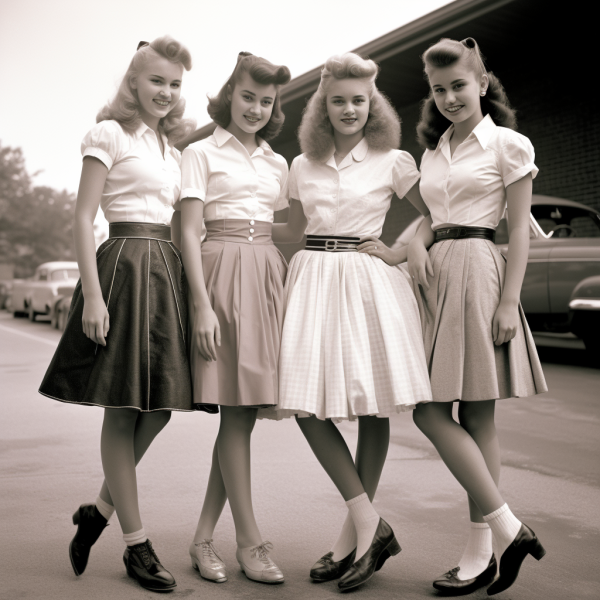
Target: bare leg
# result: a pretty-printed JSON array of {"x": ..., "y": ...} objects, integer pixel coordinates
[
  {"x": 460, "y": 453},
  {"x": 332, "y": 452},
  {"x": 233, "y": 445},
  {"x": 147, "y": 427},
  {"x": 214, "y": 501},
  {"x": 477, "y": 418}
]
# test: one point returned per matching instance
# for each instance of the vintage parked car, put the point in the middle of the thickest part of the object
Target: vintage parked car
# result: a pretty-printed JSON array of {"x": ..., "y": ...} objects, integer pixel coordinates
[
  {"x": 561, "y": 289},
  {"x": 59, "y": 311},
  {"x": 36, "y": 295}
]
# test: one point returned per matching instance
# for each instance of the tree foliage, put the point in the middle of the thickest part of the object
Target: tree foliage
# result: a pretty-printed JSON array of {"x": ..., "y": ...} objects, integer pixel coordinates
[{"x": 35, "y": 221}]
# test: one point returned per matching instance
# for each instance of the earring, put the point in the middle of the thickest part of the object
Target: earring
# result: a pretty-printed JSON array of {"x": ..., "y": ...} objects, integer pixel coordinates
[{"x": 482, "y": 93}]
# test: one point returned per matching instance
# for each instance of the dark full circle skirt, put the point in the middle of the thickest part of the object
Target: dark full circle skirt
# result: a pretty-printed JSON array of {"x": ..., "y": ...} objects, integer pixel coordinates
[{"x": 144, "y": 364}]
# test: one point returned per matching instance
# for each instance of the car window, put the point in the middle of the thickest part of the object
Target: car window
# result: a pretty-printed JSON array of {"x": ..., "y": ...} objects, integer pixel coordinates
[
  {"x": 43, "y": 276},
  {"x": 566, "y": 221},
  {"x": 62, "y": 274}
]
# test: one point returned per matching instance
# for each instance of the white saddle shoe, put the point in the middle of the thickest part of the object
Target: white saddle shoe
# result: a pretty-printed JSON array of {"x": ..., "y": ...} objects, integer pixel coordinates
[
  {"x": 206, "y": 560},
  {"x": 257, "y": 565}
]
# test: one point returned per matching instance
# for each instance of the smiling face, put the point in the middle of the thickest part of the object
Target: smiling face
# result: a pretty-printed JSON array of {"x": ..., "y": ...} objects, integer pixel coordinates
[
  {"x": 158, "y": 88},
  {"x": 348, "y": 105},
  {"x": 251, "y": 106},
  {"x": 457, "y": 92}
]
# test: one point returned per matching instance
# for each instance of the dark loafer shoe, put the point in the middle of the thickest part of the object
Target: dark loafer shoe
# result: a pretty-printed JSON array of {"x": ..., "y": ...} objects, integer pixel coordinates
[
  {"x": 143, "y": 565},
  {"x": 326, "y": 569},
  {"x": 90, "y": 524},
  {"x": 511, "y": 560},
  {"x": 450, "y": 585},
  {"x": 364, "y": 568}
]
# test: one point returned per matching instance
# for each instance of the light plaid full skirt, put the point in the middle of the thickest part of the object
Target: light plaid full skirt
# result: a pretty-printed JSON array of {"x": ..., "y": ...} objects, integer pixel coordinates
[{"x": 351, "y": 342}]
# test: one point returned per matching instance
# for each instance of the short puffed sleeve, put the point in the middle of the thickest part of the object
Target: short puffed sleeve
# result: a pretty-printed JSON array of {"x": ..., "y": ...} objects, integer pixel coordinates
[
  {"x": 404, "y": 173},
  {"x": 283, "y": 200},
  {"x": 194, "y": 174},
  {"x": 292, "y": 180},
  {"x": 516, "y": 157},
  {"x": 105, "y": 141}
]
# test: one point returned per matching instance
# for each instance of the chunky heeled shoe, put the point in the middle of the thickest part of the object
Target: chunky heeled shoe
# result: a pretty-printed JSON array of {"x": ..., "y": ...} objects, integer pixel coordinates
[
  {"x": 525, "y": 543},
  {"x": 207, "y": 562},
  {"x": 364, "y": 568},
  {"x": 327, "y": 569},
  {"x": 144, "y": 566},
  {"x": 450, "y": 585},
  {"x": 257, "y": 565},
  {"x": 90, "y": 524}
]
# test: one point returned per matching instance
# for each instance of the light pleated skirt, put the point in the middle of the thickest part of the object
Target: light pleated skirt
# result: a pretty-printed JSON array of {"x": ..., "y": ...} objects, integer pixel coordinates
[
  {"x": 244, "y": 275},
  {"x": 351, "y": 342},
  {"x": 457, "y": 314}
]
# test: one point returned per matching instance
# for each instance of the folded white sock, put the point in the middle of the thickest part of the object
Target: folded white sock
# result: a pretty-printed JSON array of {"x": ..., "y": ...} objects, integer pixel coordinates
[
  {"x": 478, "y": 552},
  {"x": 366, "y": 520},
  {"x": 505, "y": 527},
  {"x": 136, "y": 537},
  {"x": 104, "y": 508},
  {"x": 346, "y": 541}
]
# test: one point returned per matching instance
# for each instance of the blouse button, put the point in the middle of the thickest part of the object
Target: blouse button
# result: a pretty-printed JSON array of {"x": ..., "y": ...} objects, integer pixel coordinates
[
  {"x": 250, "y": 238},
  {"x": 252, "y": 222},
  {"x": 251, "y": 230}
]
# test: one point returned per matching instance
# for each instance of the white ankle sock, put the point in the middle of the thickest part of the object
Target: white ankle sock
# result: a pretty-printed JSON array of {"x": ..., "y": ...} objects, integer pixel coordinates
[
  {"x": 104, "y": 508},
  {"x": 136, "y": 537},
  {"x": 478, "y": 552},
  {"x": 346, "y": 541},
  {"x": 505, "y": 527},
  {"x": 365, "y": 519}
]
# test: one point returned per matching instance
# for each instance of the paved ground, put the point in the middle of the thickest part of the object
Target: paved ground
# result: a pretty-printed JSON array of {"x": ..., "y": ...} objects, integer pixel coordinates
[{"x": 49, "y": 464}]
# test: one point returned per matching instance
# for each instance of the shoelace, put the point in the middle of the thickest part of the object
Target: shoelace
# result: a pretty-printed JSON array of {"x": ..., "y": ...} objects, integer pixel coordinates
[
  {"x": 143, "y": 551},
  {"x": 208, "y": 551},
  {"x": 262, "y": 553}
]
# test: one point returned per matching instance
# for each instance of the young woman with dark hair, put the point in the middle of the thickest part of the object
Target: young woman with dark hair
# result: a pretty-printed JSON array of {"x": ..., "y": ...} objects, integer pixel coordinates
[
  {"x": 352, "y": 347},
  {"x": 124, "y": 347},
  {"x": 234, "y": 182},
  {"x": 478, "y": 344}
]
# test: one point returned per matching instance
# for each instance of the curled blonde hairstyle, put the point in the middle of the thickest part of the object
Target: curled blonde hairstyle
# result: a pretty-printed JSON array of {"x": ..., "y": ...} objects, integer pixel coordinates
[
  {"x": 382, "y": 130},
  {"x": 124, "y": 107}
]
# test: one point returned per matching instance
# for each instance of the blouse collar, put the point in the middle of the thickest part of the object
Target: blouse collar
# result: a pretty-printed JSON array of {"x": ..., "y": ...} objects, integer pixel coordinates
[
  {"x": 222, "y": 136},
  {"x": 483, "y": 132},
  {"x": 358, "y": 153},
  {"x": 143, "y": 128}
]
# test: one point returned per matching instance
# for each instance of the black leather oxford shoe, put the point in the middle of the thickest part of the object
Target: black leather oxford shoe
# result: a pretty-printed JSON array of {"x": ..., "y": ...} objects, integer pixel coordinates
[
  {"x": 144, "y": 566},
  {"x": 90, "y": 524},
  {"x": 450, "y": 585}
]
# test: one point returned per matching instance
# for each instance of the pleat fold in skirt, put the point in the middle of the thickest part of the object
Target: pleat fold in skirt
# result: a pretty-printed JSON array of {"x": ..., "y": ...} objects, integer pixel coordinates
[
  {"x": 457, "y": 314},
  {"x": 144, "y": 364},
  {"x": 244, "y": 274},
  {"x": 351, "y": 341}
]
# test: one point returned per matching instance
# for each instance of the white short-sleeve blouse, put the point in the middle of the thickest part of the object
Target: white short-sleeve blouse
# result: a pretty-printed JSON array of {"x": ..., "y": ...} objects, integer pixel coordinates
[
  {"x": 232, "y": 184},
  {"x": 351, "y": 198},
  {"x": 469, "y": 187},
  {"x": 142, "y": 184}
]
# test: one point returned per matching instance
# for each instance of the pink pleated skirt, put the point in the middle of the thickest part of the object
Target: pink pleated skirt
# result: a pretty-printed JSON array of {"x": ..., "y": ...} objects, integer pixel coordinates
[
  {"x": 244, "y": 275},
  {"x": 457, "y": 313}
]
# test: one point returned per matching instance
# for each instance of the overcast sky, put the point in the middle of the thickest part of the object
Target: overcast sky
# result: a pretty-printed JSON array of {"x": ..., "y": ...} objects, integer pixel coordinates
[{"x": 60, "y": 60}]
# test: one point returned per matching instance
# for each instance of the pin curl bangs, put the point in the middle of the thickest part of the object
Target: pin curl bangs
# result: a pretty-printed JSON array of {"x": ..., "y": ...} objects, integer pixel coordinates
[
  {"x": 382, "y": 130},
  {"x": 263, "y": 72},
  {"x": 124, "y": 107}
]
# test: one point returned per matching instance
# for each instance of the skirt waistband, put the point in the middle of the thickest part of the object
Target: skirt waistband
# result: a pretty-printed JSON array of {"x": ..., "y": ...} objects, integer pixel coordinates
[
  {"x": 146, "y": 231},
  {"x": 239, "y": 231},
  {"x": 459, "y": 233},
  {"x": 331, "y": 243}
]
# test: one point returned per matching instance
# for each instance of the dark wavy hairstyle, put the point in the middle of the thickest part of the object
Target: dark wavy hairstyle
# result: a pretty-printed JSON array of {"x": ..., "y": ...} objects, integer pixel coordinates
[
  {"x": 445, "y": 53},
  {"x": 263, "y": 72},
  {"x": 124, "y": 107}
]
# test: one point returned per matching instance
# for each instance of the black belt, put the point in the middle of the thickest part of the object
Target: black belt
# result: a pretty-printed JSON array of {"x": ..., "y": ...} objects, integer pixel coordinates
[
  {"x": 332, "y": 243},
  {"x": 147, "y": 231},
  {"x": 459, "y": 233}
]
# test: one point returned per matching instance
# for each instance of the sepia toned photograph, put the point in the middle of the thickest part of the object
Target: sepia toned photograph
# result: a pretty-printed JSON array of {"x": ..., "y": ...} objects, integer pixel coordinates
[{"x": 299, "y": 300}]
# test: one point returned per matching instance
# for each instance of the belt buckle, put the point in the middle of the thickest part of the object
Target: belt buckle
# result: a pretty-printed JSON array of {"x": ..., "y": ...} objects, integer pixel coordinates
[{"x": 331, "y": 245}]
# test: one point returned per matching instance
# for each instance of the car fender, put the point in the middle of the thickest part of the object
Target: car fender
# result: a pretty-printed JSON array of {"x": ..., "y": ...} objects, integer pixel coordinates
[{"x": 586, "y": 295}]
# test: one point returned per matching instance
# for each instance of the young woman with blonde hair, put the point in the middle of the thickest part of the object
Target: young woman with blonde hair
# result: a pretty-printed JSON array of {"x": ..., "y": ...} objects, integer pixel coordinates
[
  {"x": 124, "y": 347},
  {"x": 351, "y": 345}
]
